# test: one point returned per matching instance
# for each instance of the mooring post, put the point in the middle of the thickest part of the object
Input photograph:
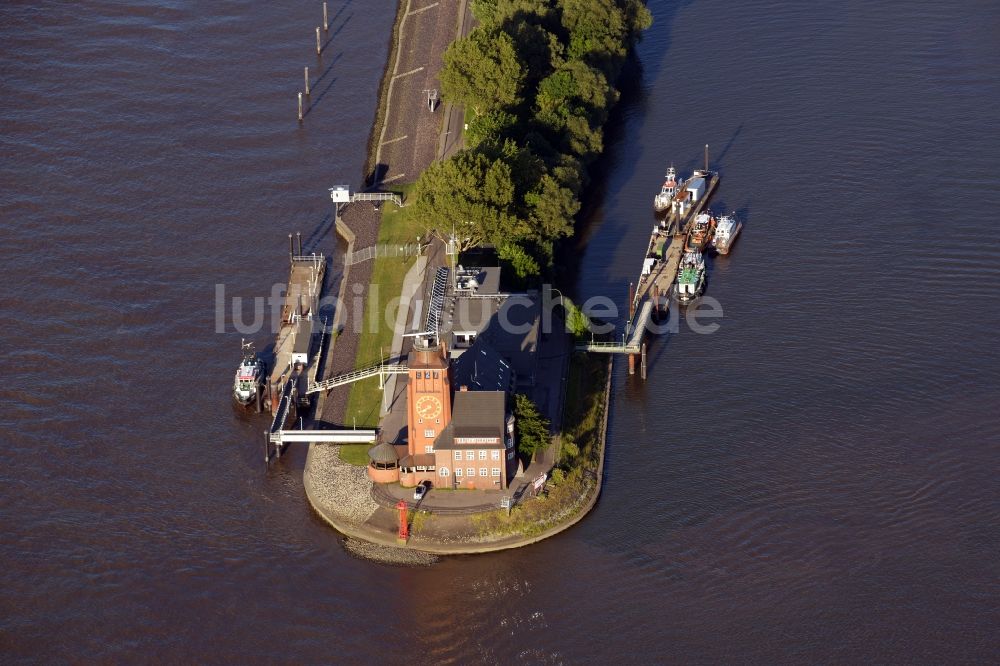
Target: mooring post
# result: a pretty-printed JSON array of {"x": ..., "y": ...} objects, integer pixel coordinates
[
  {"x": 326, "y": 19},
  {"x": 319, "y": 44},
  {"x": 300, "y": 107},
  {"x": 643, "y": 361},
  {"x": 631, "y": 364},
  {"x": 267, "y": 450},
  {"x": 307, "y": 80}
]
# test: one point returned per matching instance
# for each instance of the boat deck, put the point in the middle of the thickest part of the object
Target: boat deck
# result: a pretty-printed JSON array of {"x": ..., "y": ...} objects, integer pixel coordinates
[{"x": 663, "y": 276}]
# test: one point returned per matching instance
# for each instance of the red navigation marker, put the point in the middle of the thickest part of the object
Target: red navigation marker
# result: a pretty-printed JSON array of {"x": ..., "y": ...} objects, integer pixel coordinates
[{"x": 404, "y": 529}]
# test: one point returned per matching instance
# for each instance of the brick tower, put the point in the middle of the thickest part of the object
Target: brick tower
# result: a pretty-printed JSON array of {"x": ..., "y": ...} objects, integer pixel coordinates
[{"x": 428, "y": 397}]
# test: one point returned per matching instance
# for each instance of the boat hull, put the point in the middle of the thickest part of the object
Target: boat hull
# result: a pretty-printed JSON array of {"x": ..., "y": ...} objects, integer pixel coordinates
[{"x": 725, "y": 247}]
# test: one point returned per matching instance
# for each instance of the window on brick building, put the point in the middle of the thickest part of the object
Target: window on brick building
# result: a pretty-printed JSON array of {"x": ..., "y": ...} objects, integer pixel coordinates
[
  {"x": 482, "y": 455},
  {"x": 429, "y": 449},
  {"x": 494, "y": 455},
  {"x": 495, "y": 471},
  {"x": 458, "y": 455},
  {"x": 483, "y": 471},
  {"x": 458, "y": 471},
  {"x": 470, "y": 471}
]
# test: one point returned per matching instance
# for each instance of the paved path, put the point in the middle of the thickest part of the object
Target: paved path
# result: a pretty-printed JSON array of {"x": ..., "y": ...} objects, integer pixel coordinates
[{"x": 408, "y": 143}]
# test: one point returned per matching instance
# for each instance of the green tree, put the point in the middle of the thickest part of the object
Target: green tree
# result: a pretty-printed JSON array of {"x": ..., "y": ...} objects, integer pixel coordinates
[
  {"x": 598, "y": 32},
  {"x": 577, "y": 322},
  {"x": 491, "y": 127},
  {"x": 483, "y": 71},
  {"x": 471, "y": 196},
  {"x": 552, "y": 208},
  {"x": 531, "y": 428}
]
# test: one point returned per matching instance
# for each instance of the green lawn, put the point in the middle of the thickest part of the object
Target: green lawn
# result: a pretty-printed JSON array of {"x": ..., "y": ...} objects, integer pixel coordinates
[
  {"x": 398, "y": 226},
  {"x": 355, "y": 454}
]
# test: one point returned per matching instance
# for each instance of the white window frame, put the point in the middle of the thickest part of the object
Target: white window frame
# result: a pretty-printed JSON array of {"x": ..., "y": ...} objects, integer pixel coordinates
[
  {"x": 443, "y": 471},
  {"x": 429, "y": 433},
  {"x": 495, "y": 454},
  {"x": 483, "y": 471},
  {"x": 470, "y": 455},
  {"x": 471, "y": 471},
  {"x": 482, "y": 454},
  {"x": 458, "y": 455},
  {"x": 458, "y": 471},
  {"x": 495, "y": 471},
  {"x": 428, "y": 448}
]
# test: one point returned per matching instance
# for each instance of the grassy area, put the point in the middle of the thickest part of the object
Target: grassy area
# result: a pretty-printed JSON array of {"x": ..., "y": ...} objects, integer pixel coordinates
[
  {"x": 398, "y": 226},
  {"x": 575, "y": 477},
  {"x": 419, "y": 521},
  {"x": 354, "y": 454}
]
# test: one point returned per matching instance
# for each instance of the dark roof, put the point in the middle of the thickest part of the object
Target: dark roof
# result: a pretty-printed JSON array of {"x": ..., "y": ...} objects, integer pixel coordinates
[
  {"x": 475, "y": 414},
  {"x": 383, "y": 453},
  {"x": 481, "y": 368}
]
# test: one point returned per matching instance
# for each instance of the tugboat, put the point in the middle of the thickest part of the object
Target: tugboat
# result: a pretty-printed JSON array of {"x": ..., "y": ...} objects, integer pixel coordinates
[
  {"x": 700, "y": 233},
  {"x": 661, "y": 201},
  {"x": 691, "y": 277},
  {"x": 726, "y": 231},
  {"x": 247, "y": 386}
]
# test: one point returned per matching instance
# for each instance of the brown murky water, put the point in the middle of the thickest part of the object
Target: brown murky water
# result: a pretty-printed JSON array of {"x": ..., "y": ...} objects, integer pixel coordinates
[{"x": 815, "y": 482}]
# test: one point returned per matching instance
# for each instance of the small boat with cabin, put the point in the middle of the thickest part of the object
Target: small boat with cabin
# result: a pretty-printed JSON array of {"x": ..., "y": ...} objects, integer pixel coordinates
[
  {"x": 700, "y": 233},
  {"x": 726, "y": 230},
  {"x": 691, "y": 277},
  {"x": 661, "y": 201},
  {"x": 249, "y": 382}
]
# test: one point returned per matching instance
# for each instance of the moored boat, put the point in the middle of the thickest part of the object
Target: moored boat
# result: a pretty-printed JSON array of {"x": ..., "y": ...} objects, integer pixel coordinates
[
  {"x": 726, "y": 230},
  {"x": 661, "y": 201},
  {"x": 700, "y": 233},
  {"x": 249, "y": 381},
  {"x": 691, "y": 276}
]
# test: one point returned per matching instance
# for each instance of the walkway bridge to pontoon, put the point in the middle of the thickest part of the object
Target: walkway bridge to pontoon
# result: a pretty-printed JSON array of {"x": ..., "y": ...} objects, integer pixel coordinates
[
  {"x": 631, "y": 346},
  {"x": 380, "y": 370}
]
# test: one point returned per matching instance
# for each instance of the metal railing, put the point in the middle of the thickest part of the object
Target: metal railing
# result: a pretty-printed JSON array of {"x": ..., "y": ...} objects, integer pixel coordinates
[
  {"x": 382, "y": 250},
  {"x": 380, "y": 370}
]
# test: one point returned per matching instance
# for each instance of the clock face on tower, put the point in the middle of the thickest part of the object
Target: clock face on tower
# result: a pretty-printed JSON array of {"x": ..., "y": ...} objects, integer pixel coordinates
[{"x": 428, "y": 407}]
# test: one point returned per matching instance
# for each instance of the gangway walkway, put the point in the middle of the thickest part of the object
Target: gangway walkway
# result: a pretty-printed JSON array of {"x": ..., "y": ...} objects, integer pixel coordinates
[
  {"x": 633, "y": 345},
  {"x": 283, "y": 437},
  {"x": 380, "y": 369}
]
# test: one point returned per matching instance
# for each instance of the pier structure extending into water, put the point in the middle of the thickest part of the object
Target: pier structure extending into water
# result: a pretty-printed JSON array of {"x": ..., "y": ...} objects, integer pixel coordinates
[{"x": 656, "y": 282}]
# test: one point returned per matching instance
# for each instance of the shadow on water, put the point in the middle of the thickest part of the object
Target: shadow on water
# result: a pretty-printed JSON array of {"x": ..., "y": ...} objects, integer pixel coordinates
[
  {"x": 333, "y": 19},
  {"x": 631, "y": 108},
  {"x": 330, "y": 38},
  {"x": 328, "y": 68}
]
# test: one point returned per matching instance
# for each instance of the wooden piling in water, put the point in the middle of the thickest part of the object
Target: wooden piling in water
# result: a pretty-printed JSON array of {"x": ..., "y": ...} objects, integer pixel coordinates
[
  {"x": 319, "y": 44},
  {"x": 643, "y": 366},
  {"x": 631, "y": 364},
  {"x": 307, "y": 80},
  {"x": 326, "y": 19},
  {"x": 300, "y": 113}
]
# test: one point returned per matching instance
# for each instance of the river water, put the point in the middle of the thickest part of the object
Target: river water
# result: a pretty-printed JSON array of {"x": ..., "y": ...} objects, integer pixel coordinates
[{"x": 814, "y": 482}]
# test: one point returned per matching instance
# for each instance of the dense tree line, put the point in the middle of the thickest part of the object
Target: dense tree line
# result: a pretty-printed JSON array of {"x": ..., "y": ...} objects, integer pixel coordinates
[{"x": 537, "y": 77}]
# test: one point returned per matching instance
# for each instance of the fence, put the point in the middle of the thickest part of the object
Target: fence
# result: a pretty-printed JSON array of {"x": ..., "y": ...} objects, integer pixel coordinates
[{"x": 382, "y": 250}]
